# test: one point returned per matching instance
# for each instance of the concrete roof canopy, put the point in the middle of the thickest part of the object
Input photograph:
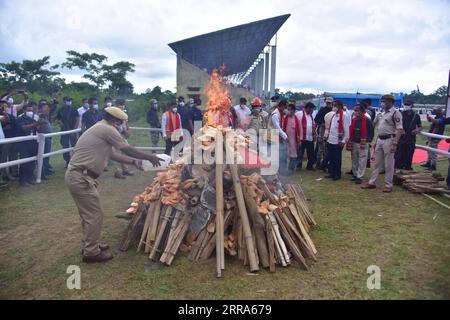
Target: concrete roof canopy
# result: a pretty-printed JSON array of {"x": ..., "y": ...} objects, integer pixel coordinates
[{"x": 236, "y": 47}]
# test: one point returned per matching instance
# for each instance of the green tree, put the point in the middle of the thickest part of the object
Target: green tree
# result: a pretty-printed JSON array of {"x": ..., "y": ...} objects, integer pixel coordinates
[
  {"x": 91, "y": 63},
  {"x": 31, "y": 75}
]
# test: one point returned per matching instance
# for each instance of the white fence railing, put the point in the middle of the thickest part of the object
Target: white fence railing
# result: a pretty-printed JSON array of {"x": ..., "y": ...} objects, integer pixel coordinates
[
  {"x": 434, "y": 150},
  {"x": 40, "y": 139}
]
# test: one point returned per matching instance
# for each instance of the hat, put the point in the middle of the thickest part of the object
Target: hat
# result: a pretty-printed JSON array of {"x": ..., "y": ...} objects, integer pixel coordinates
[
  {"x": 117, "y": 113},
  {"x": 275, "y": 98},
  {"x": 388, "y": 97},
  {"x": 256, "y": 102},
  {"x": 66, "y": 98},
  {"x": 329, "y": 99}
]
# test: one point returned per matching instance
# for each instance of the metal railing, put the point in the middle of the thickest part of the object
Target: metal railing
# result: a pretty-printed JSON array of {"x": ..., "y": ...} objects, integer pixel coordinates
[
  {"x": 434, "y": 150},
  {"x": 41, "y": 155}
]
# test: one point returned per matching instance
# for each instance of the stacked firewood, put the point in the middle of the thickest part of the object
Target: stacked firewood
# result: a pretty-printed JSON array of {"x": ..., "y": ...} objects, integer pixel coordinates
[
  {"x": 270, "y": 227},
  {"x": 425, "y": 182}
]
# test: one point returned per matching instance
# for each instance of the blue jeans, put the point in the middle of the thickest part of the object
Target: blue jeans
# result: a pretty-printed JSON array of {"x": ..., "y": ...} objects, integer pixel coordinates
[{"x": 335, "y": 157}]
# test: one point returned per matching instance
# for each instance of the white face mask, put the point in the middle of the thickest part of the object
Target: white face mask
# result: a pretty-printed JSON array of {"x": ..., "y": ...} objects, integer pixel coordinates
[
  {"x": 95, "y": 106},
  {"x": 273, "y": 104},
  {"x": 68, "y": 103},
  {"x": 10, "y": 100},
  {"x": 29, "y": 114},
  {"x": 109, "y": 104},
  {"x": 181, "y": 104},
  {"x": 335, "y": 109},
  {"x": 175, "y": 110},
  {"x": 407, "y": 108}
]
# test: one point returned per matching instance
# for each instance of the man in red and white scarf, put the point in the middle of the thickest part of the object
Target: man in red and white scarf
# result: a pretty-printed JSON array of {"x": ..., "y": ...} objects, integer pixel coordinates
[
  {"x": 338, "y": 134},
  {"x": 171, "y": 128},
  {"x": 307, "y": 134},
  {"x": 361, "y": 135}
]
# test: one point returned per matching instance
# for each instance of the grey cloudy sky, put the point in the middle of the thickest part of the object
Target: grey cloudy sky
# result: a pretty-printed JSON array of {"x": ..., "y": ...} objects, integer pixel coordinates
[{"x": 370, "y": 46}]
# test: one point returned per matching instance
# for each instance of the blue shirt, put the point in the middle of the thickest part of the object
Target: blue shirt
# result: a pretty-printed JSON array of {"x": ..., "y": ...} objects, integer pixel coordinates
[
  {"x": 23, "y": 120},
  {"x": 91, "y": 117}
]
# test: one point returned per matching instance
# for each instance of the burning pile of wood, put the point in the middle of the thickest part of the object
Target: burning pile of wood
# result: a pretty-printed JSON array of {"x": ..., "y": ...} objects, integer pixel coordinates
[
  {"x": 264, "y": 224},
  {"x": 205, "y": 209},
  {"x": 425, "y": 182}
]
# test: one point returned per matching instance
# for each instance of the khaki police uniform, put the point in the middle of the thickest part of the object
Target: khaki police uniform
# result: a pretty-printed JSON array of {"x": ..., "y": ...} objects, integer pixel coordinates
[
  {"x": 90, "y": 157},
  {"x": 388, "y": 123}
]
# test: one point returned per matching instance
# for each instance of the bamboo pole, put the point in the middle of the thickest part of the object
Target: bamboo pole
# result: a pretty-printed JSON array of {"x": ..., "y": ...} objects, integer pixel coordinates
[
  {"x": 153, "y": 225},
  {"x": 244, "y": 217},
  {"x": 437, "y": 201},
  {"x": 148, "y": 220},
  {"x": 220, "y": 252},
  {"x": 165, "y": 220}
]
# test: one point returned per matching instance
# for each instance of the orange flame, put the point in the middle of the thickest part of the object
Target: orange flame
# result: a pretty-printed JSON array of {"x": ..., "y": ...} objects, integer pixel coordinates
[{"x": 219, "y": 102}]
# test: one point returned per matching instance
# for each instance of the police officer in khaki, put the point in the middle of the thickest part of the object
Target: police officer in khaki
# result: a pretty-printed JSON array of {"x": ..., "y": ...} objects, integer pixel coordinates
[
  {"x": 90, "y": 157},
  {"x": 390, "y": 129}
]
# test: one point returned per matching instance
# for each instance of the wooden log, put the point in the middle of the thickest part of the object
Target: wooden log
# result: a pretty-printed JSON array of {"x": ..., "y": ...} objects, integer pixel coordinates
[
  {"x": 258, "y": 226},
  {"x": 153, "y": 227},
  {"x": 198, "y": 243},
  {"x": 171, "y": 236},
  {"x": 291, "y": 243},
  {"x": 295, "y": 234},
  {"x": 165, "y": 220},
  {"x": 220, "y": 250},
  {"x": 148, "y": 219},
  {"x": 130, "y": 232},
  {"x": 210, "y": 246},
  {"x": 183, "y": 228},
  {"x": 270, "y": 246},
  {"x": 244, "y": 217},
  {"x": 303, "y": 230},
  {"x": 279, "y": 242}
]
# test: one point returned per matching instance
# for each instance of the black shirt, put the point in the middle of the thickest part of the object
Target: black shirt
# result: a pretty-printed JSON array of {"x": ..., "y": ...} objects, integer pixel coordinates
[
  {"x": 320, "y": 116},
  {"x": 68, "y": 116},
  {"x": 153, "y": 118},
  {"x": 411, "y": 121},
  {"x": 90, "y": 118}
]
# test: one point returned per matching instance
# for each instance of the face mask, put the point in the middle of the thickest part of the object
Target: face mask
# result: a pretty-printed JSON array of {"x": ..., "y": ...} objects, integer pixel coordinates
[
  {"x": 335, "y": 109},
  {"x": 286, "y": 112},
  {"x": 383, "y": 105},
  {"x": 273, "y": 104},
  {"x": 109, "y": 104},
  {"x": 175, "y": 110},
  {"x": 86, "y": 106},
  {"x": 10, "y": 100},
  {"x": 29, "y": 114},
  {"x": 95, "y": 106},
  {"x": 181, "y": 104},
  {"x": 357, "y": 114},
  {"x": 407, "y": 108},
  {"x": 68, "y": 103}
]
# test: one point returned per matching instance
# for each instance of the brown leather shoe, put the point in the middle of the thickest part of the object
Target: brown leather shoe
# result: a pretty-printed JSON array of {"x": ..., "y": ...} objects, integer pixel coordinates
[
  {"x": 101, "y": 257},
  {"x": 387, "y": 190},
  {"x": 368, "y": 186}
]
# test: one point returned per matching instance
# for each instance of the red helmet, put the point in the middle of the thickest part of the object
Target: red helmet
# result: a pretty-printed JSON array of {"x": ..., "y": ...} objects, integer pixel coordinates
[{"x": 256, "y": 102}]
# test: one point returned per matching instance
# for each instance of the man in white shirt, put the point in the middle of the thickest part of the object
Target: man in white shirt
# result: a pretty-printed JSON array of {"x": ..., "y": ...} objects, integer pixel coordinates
[
  {"x": 338, "y": 135},
  {"x": 81, "y": 110},
  {"x": 307, "y": 135},
  {"x": 243, "y": 114},
  {"x": 276, "y": 122}
]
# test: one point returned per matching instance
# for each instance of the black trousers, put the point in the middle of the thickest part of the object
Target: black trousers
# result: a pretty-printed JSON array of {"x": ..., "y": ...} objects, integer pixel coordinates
[
  {"x": 404, "y": 155},
  {"x": 169, "y": 146},
  {"x": 68, "y": 141},
  {"x": 307, "y": 146},
  {"x": 335, "y": 157},
  {"x": 27, "y": 149}
]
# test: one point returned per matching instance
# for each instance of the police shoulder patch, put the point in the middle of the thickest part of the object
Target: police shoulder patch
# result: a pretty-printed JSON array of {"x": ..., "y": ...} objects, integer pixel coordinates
[{"x": 397, "y": 119}]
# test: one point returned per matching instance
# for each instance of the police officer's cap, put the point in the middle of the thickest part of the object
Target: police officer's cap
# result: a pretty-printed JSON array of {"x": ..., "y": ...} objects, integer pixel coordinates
[
  {"x": 388, "y": 97},
  {"x": 117, "y": 113}
]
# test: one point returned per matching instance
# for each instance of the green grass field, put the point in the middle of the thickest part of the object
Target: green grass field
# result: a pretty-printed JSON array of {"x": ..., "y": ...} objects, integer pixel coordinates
[{"x": 406, "y": 235}]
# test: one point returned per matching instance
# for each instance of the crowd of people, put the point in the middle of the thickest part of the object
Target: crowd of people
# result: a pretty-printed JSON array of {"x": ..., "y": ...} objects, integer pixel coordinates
[
  {"x": 320, "y": 136},
  {"x": 30, "y": 118}
]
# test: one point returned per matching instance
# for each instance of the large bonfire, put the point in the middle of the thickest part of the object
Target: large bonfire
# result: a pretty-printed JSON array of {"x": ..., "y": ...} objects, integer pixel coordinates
[{"x": 206, "y": 209}]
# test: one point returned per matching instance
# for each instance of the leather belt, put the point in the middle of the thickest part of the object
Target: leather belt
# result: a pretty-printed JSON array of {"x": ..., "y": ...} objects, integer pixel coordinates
[
  {"x": 385, "y": 137},
  {"x": 87, "y": 172}
]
